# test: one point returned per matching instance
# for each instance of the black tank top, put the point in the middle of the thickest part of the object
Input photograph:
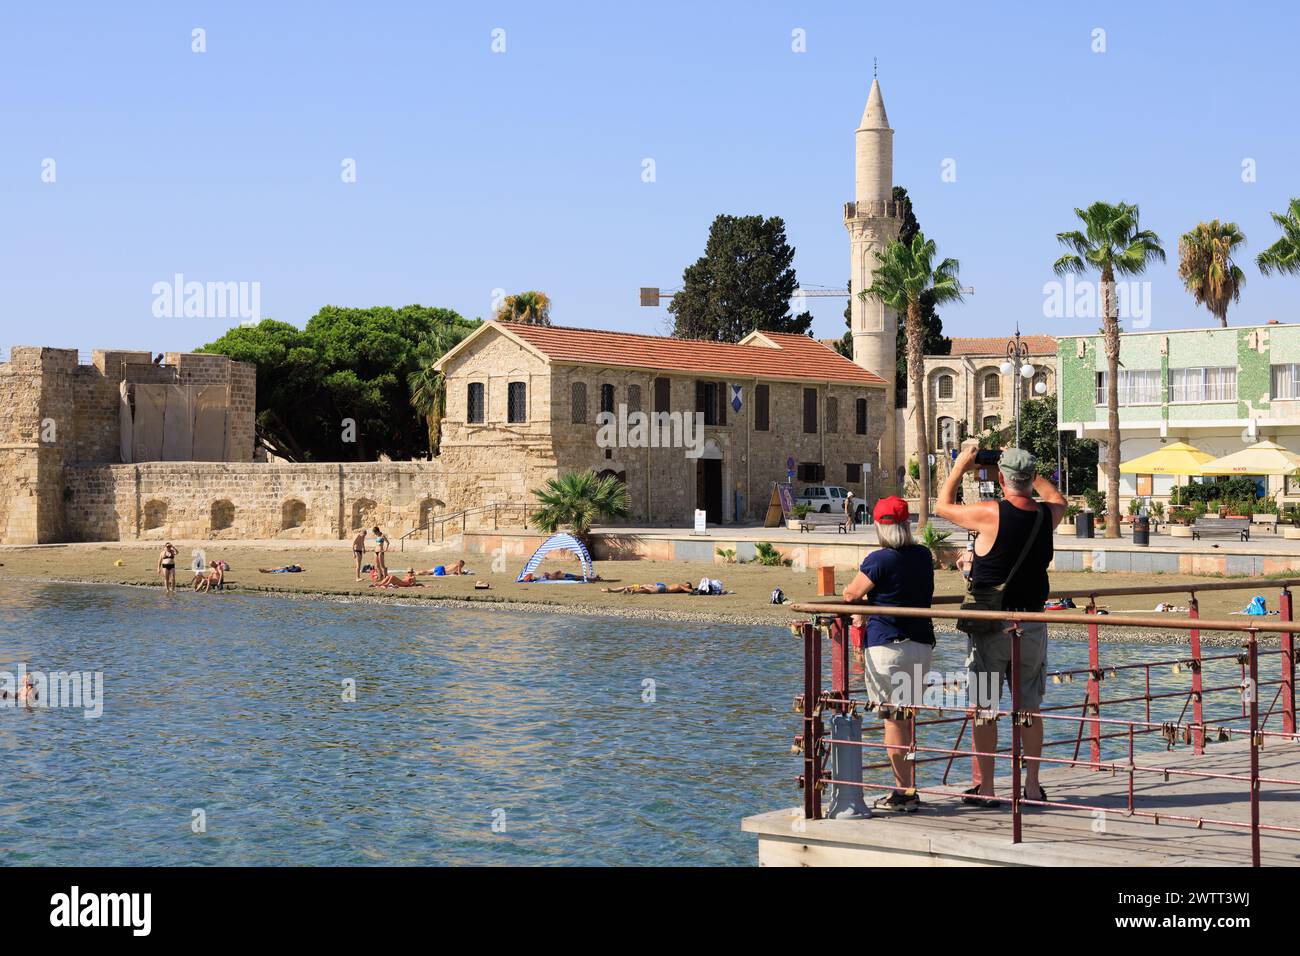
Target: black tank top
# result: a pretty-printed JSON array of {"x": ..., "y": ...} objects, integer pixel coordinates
[{"x": 1028, "y": 590}]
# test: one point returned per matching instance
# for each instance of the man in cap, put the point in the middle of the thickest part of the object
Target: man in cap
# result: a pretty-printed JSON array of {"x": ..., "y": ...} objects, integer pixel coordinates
[{"x": 1013, "y": 547}]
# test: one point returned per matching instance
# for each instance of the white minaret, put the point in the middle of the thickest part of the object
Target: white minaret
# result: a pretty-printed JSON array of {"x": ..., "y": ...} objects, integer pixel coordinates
[{"x": 873, "y": 222}]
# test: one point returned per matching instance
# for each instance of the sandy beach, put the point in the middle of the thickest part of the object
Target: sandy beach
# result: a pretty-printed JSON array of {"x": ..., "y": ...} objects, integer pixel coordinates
[{"x": 329, "y": 574}]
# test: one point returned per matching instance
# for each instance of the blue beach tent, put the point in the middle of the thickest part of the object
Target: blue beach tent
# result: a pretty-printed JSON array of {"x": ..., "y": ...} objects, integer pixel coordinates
[{"x": 560, "y": 542}]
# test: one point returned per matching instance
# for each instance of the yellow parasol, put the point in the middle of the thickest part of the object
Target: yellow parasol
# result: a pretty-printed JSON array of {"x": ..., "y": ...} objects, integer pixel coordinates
[
  {"x": 1178, "y": 458},
  {"x": 1261, "y": 458}
]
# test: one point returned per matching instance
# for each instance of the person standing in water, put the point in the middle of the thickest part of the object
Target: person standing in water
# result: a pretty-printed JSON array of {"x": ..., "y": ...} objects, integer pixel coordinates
[
  {"x": 359, "y": 549},
  {"x": 167, "y": 567}
]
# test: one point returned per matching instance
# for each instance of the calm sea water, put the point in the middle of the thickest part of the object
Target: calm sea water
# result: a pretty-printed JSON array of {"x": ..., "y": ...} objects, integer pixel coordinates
[{"x": 476, "y": 737}]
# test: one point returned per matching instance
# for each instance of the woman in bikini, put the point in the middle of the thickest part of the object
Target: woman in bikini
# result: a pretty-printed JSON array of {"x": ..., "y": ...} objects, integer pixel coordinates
[
  {"x": 167, "y": 567},
  {"x": 660, "y": 588},
  {"x": 359, "y": 549},
  {"x": 393, "y": 581},
  {"x": 381, "y": 546}
]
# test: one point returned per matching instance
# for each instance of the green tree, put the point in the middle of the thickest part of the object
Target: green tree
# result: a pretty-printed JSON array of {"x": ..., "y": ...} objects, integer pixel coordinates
[
  {"x": 427, "y": 385},
  {"x": 337, "y": 390},
  {"x": 742, "y": 283},
  {"x": 905, "y": 273},
  {"x": 532, "y": 308},
  {"x": 1205, "y": 265},
  {"x": 1284, "y": 255},
  {"x": 1039, "y": 435},
  {"x": 578, "y": 500},
  {"x": 936, "y": 343},
  {"x": 1113, "y": 243}
]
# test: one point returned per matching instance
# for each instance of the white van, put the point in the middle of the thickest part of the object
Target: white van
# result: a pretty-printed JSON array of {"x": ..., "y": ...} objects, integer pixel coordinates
[{"x": 823, "y": 498}]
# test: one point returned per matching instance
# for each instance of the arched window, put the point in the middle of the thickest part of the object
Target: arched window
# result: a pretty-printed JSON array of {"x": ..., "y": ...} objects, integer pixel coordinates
[
  {"x": 475, "y": 405},
  {"x": 607, "y": 398},
  {"x": 860, "y": 416},
  {"x": 517, "y": 402},
  {"x": 947, "y": 433},
  {"x": 578, "y": 403},
  {"x": 832, "y": 415},
  {"x": 363, "y": 513},
  {"x": 943, "y": 386},
  {"x": 1040, "y": 375},
  {"x": 992, "y": 422},
  {"x": 992, "y": 385},
  {"x": 634, "y": 398}
]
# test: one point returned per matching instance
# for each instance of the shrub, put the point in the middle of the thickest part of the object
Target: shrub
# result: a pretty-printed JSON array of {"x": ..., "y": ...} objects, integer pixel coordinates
[
  {"x": 1096, "y": 499},
  {"x": 768, "y": 556},
  {"x": 727, "y": 554},
  {"x": 1157, "y": 509},
  {"x": 800, "y": 511}
]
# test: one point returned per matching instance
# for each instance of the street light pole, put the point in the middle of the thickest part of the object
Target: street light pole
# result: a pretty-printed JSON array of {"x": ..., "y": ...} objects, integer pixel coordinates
[{"x": 1017, "y": 365}]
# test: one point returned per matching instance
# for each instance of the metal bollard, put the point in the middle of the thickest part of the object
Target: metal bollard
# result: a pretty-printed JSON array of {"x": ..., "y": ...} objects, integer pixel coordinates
[{"x": 846, "y": 765}]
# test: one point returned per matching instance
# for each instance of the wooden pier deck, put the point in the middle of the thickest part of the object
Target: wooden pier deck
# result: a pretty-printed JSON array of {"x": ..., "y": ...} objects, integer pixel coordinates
[{"x": 945, "y": 833}]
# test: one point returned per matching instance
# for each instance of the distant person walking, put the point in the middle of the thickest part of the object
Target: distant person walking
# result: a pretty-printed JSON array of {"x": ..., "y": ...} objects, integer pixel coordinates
[
  {"x": 167, "y": 567},
  {"x": 359, "y": 549},
  {"x": 1013, "y": 547},
  {"x": 381, "y": 549},
  {"x": 850, "y": 512}
]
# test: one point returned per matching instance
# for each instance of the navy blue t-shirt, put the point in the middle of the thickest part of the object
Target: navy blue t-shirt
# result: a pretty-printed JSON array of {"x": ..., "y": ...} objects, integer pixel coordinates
[{"x": 901, "y": 578}]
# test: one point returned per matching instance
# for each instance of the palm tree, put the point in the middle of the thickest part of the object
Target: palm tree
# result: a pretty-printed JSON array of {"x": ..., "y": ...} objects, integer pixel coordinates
[
  {"x": 1206, "y": 267},
  {"x": 427, "y": 385},
  {"x": 1284, "y": 255},
  {"x": 1112, "y": 243},
  {"x": 531, "y": 307},
  {"x": 905, "y": 273},
  {"x": 576, "y": 500}
]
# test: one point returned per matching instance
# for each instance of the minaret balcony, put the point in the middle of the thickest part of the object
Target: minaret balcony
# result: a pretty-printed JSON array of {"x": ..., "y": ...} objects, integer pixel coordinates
[{"x": 873, "y": 209}]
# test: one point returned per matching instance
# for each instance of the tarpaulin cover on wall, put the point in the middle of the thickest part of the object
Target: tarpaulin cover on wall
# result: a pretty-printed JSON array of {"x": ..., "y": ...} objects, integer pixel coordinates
[
  {"x": 210, "y": 424},
  {"x": 147, "y": 430},
  {"x": 124, "y": 415},
  {"x": 178, "y": 423}
]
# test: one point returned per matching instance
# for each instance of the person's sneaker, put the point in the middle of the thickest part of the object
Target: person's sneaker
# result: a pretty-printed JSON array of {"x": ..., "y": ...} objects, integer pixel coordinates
[{"x": 898, "y": 801}]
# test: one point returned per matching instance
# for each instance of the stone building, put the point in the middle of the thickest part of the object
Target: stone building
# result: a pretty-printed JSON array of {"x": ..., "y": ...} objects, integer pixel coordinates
[
  {"x": 967, "y": 392},
  {"x": 62, "y": 414},
  {"x": 121, "y": 449},
  {"x": 526, "y": 402}
]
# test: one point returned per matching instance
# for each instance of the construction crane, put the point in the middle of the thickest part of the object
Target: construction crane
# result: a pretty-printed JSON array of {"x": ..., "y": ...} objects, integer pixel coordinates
[{"x": 652, "y": 295}]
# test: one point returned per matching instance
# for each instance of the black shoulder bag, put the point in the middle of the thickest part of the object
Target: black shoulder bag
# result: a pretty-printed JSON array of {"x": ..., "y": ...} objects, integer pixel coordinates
[{"x": 989, "y": 598}]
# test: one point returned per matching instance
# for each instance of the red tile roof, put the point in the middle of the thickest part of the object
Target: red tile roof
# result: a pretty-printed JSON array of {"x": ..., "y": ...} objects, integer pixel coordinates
[
  {"x": 796, "y": 357},
  {"x": 1038, "y": 345}
]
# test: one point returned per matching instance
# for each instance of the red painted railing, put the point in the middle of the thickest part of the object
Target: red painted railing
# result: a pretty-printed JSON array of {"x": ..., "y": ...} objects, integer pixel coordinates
[{"x": 831, "y": 618}]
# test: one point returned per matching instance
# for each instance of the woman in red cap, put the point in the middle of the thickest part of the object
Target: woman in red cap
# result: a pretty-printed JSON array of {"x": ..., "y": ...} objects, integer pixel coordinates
[{"x": 898, "y": 649}]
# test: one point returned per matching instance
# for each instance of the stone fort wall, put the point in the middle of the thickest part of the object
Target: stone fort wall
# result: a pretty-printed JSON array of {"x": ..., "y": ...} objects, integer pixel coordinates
[{"x": 157, "y": 500}]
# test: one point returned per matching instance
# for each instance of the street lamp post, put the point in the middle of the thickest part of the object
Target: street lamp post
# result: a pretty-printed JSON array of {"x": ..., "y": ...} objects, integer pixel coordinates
[{"x": 1018, "y": 364}]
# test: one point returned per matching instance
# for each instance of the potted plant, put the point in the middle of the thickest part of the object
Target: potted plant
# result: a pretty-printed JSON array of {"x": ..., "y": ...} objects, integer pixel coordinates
[{"x": 799, "y": 512}]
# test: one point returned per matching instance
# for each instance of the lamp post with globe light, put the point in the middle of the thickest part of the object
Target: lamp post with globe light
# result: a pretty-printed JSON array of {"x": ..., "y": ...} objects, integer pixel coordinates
[{"x": 1017, "y": 364}]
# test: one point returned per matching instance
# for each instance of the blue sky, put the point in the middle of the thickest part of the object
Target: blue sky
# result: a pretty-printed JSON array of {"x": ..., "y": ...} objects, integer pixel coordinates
[{"x": 479, "y": 170}]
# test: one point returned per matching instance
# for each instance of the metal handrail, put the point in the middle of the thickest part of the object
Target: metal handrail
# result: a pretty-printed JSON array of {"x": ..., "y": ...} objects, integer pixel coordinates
[
  {"x": 440, "y": 521},
  {"x": 814, "y": 744}
]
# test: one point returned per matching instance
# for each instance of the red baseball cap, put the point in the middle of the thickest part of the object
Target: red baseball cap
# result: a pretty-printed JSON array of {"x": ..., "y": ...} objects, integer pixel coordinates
[{"x": 890, "y": 510}]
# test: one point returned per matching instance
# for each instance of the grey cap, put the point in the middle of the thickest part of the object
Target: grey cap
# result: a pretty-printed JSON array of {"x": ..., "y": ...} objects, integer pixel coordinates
[{"x": 1018, "y": 465}]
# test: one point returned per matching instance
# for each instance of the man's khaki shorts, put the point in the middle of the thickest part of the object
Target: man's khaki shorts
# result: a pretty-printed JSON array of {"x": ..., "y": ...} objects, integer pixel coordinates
[{"x": 988, "y": 661}]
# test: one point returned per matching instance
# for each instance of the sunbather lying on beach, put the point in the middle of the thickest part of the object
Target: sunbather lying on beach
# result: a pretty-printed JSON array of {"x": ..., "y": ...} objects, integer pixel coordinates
[
  {"x": 659, "y": 588},
  {"x": 287, "y": 569},
  {"x": 441, "y": 570},
  {"x": 393, "y": 581}
]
